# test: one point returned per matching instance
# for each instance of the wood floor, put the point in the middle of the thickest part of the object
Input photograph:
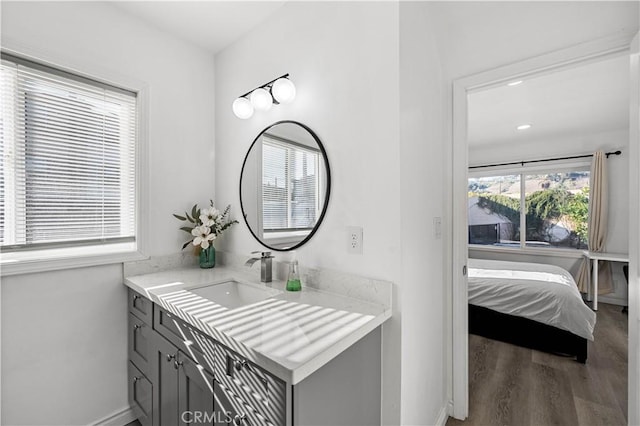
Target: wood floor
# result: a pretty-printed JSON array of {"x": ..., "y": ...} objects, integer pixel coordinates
[{"x": 510, "y": 385}]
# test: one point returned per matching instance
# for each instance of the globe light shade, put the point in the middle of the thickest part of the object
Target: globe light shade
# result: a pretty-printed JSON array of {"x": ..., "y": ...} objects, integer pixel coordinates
[
  {"x": 261, "y": 99},
  {"x": 242, "y": 108},
  {"x": 283, "y": 90}
]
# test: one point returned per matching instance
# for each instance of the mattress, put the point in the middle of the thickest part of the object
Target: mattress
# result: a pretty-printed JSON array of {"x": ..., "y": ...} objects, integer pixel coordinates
[{"x": 542, "y": 293}]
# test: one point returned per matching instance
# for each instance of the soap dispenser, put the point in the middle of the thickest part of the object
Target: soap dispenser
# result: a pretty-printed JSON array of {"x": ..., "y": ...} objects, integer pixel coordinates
[{"x": 293, "y": 280}]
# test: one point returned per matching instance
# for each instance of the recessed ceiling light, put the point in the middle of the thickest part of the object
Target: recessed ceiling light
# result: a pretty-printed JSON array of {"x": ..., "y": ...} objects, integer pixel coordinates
[
  {"x": 514, "y": 83},
  {"x": 523, "y": 127}
]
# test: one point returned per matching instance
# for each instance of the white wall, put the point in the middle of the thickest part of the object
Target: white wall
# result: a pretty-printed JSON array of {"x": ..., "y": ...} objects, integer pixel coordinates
[
  {"x": 422, "y": 171},
  {"x": 357, "y": 91},
  {"x": 618, "y": 170},
  {"x": 476, "y": 36},
  {"x": 343, "y": 58},
  {"x": 64, "y": 333}
]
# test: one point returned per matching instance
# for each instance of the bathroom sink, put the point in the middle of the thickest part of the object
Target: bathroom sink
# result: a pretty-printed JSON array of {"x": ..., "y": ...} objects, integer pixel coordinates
[{"x": 234, "y": 294}]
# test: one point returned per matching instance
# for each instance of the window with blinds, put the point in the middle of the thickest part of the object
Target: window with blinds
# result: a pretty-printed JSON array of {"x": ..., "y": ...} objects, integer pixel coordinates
[
  {"x": 67, "y": 169},
  {"x": 290, "y": 186}
]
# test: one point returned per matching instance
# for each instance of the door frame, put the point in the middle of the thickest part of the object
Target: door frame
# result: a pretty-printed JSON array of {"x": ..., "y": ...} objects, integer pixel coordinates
[
  {"x": 615, "y": 45},
  {"x": 634, "y": 231}
]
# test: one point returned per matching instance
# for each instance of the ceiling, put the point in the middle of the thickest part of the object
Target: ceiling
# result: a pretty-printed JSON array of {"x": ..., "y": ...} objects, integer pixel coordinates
[
  {"x": 586, "y": 99},
  {"x": 212, "y": 25}
]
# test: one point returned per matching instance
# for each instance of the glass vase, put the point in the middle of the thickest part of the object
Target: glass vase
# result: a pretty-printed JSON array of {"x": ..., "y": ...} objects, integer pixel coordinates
[{"x": 208, "y": 257}]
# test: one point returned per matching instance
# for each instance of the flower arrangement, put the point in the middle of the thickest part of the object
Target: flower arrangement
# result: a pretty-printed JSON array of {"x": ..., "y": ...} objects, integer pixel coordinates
[{"x": 205, "y": 225}]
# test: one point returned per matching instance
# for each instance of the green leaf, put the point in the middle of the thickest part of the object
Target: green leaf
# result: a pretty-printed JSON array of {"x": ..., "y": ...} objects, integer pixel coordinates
[
  {"x": 189, "y": 218},
  {"x": 179, "y": 217},
  {"x": 185, "y": 245},
  {"x": 186, "y": 229},
  {"x": 194, "y": 211}
]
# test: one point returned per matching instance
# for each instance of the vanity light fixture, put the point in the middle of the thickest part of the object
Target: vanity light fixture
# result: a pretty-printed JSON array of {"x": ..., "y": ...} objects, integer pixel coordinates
[
  {"x": 523, "y": 127},
  {"x": 280, "y": 90}
]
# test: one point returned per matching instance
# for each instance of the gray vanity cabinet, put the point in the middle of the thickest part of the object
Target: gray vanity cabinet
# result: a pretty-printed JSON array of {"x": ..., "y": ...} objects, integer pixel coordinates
[
  {"x": 139, "y": 337},
  {"x": 195, "y": 393},
  {"x": 171, "y": 371},
  {"x": 184, "y": 389},
  {"x": 165, "y": 376},
  {"x": 179, "y": 376}
]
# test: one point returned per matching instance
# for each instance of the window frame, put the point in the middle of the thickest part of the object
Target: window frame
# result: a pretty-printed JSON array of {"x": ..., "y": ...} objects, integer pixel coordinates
[
  {"x": 83, "y": 255},
  {"x": 287, "y": 235},
  {"x": 561, "y": 166}
]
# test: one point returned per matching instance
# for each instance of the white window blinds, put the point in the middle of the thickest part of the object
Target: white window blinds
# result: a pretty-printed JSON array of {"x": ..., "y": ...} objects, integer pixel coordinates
[
  {"x": 67, "y": 169},
  {"x": 290, "y": 186}
]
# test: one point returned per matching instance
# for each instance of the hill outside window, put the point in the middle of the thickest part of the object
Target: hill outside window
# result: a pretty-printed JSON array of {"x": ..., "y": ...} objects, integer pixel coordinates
[{"x": 555, "y": 213}]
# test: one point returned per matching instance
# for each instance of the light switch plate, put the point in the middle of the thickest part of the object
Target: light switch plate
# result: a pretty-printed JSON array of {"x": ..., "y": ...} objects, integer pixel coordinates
[{"x": 437, "y": 227}]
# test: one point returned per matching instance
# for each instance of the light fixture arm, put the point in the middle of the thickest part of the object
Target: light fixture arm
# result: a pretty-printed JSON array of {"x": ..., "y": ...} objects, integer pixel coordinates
[{"x": 264, "y": 86}]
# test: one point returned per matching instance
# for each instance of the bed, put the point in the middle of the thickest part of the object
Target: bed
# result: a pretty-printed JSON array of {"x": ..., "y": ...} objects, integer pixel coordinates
[{"x": 529, "y": 304}]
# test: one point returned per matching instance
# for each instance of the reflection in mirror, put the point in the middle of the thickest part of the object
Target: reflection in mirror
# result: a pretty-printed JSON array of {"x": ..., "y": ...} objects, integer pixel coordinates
[{"x": 284, "y": 185}]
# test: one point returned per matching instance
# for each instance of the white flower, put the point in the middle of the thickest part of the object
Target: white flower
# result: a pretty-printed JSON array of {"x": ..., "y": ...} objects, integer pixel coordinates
[
  {"x": 209, "y": 216},
  {"x": 202, "y": 236}
]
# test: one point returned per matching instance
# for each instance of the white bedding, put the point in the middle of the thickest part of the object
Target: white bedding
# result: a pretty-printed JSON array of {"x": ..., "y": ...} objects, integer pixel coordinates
[{"x": 543, "y": 293}]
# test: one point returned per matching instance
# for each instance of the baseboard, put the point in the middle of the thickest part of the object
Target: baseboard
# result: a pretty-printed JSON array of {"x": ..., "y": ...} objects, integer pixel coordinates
[
  {"x": 121, "y": 417},
  {"x": 613, "y": 300},
  {"x": 443, "y": 416}
]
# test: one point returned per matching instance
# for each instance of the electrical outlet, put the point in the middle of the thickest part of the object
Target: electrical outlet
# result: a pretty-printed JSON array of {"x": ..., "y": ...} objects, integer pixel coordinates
[{"x": 354, "y": 240}]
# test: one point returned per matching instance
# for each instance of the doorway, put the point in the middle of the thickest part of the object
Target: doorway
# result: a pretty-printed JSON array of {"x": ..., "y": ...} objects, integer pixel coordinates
[{"x": 557, "y": 61}]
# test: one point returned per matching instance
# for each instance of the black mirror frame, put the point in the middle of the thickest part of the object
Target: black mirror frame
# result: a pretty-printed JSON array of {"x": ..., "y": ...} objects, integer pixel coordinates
[{"x": 327, "y": 194}]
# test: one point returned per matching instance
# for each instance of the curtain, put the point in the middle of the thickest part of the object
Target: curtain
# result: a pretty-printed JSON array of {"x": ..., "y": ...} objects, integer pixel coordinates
[{"x": 598, "y": 205}]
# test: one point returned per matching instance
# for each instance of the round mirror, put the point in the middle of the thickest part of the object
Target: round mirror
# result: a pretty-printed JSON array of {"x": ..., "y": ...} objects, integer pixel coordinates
[{"x": 285, "y": 185}]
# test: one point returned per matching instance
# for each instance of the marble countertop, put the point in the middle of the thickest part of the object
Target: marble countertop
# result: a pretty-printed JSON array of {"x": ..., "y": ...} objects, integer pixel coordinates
[{"x": 291, "y": 334}]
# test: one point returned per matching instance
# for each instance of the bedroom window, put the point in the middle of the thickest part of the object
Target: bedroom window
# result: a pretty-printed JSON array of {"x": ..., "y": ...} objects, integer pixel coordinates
[
  {"x": 555, "y": 213},
  {"x": 67, "y": 169}
]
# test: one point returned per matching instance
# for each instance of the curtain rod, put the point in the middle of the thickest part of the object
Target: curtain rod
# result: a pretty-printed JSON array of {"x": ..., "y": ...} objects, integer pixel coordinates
[{"x": 522, "y": 163}]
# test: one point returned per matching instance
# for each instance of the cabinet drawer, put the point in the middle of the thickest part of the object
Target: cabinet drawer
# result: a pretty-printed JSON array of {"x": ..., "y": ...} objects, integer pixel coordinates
[
  {"x": 257, "y": 388},
  {"x": 140, "y": 395},
  {"x": 141, "y": 307},
  {"x": 140, "y": 343},
  {"x": 232, "y": 410}
]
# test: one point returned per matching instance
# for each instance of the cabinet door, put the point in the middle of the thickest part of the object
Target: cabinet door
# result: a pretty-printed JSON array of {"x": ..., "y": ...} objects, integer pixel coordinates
[
  {"x": 195, "y": 403},
  {"x": 140, "y": 395},
  {"x": 165, "y": 377}
]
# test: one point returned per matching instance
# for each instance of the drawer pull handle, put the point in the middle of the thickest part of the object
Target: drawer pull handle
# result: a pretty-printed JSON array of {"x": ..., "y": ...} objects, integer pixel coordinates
[
  {"x": 177, "y": 364},
  {"x": 135, "y": 297},
  {"x": 136, "y": 378},
  {"x": 241, "y": 364},
  {"x": 238, "y": 420},
  {"x": 137, "y": 327},
  {"x": 170, "y": 357}
]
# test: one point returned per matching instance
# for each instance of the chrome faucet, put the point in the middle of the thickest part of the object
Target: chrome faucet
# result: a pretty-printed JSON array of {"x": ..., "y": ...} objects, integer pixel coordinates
[{"x": 265, "y": 264}]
